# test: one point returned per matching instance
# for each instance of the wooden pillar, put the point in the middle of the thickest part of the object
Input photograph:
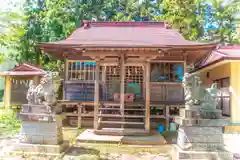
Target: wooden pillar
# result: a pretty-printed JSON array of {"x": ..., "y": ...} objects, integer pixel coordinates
[
  {"x": 65, "y": 76},
  {"x": 36, "y": 80},
  {"x": 167, "y": 117},
  {"x": 79, "y": 116},
  {"x": 96, "y": 94},
  {"x": 147, "y": 97},
  {"x": 122, "y": 77},
  {"x": 122, "y": 86},
  {"x": 7, "y": 91}
]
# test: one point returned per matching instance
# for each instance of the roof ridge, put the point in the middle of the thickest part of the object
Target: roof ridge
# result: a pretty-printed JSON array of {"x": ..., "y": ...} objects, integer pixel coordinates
[{"x": 88, "y": 24}]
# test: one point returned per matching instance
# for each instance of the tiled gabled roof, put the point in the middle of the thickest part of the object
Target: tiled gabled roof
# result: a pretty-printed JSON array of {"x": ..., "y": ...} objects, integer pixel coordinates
[
  {"x": 24, "y": 69},
  {"x": 123, "y": 34},
  {"x": 223, "y": 53}
]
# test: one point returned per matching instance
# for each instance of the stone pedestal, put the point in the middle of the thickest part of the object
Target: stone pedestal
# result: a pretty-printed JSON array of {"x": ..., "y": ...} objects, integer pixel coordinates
[
  {"x": 200, "y": 135},
  {"x": 41, "y": 130}
]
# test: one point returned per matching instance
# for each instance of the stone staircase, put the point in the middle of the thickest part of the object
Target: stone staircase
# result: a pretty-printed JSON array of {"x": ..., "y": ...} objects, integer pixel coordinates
[{"x": 200, "y": 135}]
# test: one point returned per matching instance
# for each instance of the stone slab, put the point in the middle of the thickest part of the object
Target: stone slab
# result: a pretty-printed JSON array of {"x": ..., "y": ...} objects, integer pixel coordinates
[
  {"x": 201, "y": 122},
  {"x": 37, "y": 117},
  {"x": 90, "y": 136},
  {"x": 210, "y": 147},
  {"x": 201, "y": 130},
  {"x": 200, "y": 113},
  {"x": 200, "y": 138},
  {"x": 40, "y": 133},
  {"x": 32, "y": 108},
  {"x": 41, "y": 149},
  {"x": 194, "y": 155}
]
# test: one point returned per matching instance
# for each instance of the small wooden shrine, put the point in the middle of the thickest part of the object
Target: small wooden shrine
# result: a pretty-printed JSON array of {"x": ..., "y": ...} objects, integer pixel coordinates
[
  {"x": 17, "y": 82},
  {"x": 124, "y": 74}
]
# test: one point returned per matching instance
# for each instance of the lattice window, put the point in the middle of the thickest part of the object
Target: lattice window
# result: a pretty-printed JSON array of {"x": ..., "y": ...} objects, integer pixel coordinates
[
  {"x": 110, "y": 81},
  {"x": 78, "y": 70},
  {"x": 134, "y": 80},
  {"x": 167, "y": 72}
]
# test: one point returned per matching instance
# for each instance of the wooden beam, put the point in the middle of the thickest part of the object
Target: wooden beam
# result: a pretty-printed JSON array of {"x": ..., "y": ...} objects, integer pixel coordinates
[
  {"x": 147, "y": 97},
  {"x": 96, "y": 93},
  {"x": 7, "y": 91}
]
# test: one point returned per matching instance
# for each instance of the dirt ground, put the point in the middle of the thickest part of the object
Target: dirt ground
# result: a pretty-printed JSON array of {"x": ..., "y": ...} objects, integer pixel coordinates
[{"x": 92, "y": 151}]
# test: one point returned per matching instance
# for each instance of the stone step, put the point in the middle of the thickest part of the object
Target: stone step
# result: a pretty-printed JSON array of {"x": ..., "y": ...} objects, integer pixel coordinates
[
  {"x": 200, "y": 113},
  {"x": 201, "y": 122},
  {"x": 32, "y": 108},
  {"x": 121, "y": 122},
  {"x": 194, "y": 155},
  {"x": 199, "y": 138},
  {"x": 210, "y": 147},
  {"x": 201, "y": 130},
  {"x": 40, "y": 149},
  {"x": 121, "y": 132}
]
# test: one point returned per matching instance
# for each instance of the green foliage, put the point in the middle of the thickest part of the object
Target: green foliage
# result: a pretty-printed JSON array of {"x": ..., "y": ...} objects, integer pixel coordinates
[
  {"x": 188, "y": 17},
  {"x": 224, "y": 17},
  {"x": 8, "y": 121},
  {"x": 182, "y": 15}
]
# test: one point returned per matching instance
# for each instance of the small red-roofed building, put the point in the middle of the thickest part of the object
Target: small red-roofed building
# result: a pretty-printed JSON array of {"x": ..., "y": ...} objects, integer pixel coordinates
[{"x": 17, "y": 82}]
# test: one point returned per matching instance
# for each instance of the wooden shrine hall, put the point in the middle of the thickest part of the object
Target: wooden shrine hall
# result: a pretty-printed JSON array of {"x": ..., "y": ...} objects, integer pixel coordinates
[{"x": 124, "y": 75}]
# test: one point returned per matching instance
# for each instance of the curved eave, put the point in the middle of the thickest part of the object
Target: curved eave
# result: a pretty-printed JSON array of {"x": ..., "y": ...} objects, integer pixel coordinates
[
  {"x": 57, "y": 50},
  {"x": 52, "y": 45}
]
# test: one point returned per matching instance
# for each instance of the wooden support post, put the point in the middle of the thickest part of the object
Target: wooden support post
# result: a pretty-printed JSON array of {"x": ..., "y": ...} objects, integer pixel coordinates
[
  {"x": 7, "y": 91},
  {"x": 167, "y": 117},
  {"x": 122, "y": 77},
  {"x": 96, "y": 94},
  {"x": 79, "y": 116},
  {"x": 147, "y": 98},
  {"x": 36, "y": 80},
  {"x": 65, "y": 77}
]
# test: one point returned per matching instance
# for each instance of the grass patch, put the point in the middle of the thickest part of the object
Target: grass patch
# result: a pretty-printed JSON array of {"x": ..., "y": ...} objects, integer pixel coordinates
[{"x": 9, "y": 125}]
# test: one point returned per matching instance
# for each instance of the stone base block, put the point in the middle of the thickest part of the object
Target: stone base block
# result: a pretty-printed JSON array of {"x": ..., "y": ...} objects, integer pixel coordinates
[
  {"x": 203, "y": 155},
  {"x": 188, "y": 137},
  {"x": 40, "y": 149},
  {"x": 200, "y": 113},
  {"x": 201, "y": 122},
  {"x": 201, "y": 130},
  {"x": 211, "y": 147}
]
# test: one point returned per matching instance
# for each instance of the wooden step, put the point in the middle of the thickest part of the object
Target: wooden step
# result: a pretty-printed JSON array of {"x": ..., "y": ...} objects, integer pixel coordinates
[
  {"x": 117, "y": 115},
  {"x": 121, "y": 122},
  {"x": 121, "y": 132},
  {"x": 125, "y": 109}
]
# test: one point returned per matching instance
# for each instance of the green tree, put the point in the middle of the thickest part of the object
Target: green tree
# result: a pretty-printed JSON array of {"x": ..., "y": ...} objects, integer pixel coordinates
[
  {"x": 223, "y": 16},
  {"x": 187, "y": 16}
]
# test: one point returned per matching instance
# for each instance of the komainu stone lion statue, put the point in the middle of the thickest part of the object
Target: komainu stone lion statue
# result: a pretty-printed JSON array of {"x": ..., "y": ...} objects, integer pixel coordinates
[
  {"x": 44, "y": 91},
  {"x": 197, "y": 94}
]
